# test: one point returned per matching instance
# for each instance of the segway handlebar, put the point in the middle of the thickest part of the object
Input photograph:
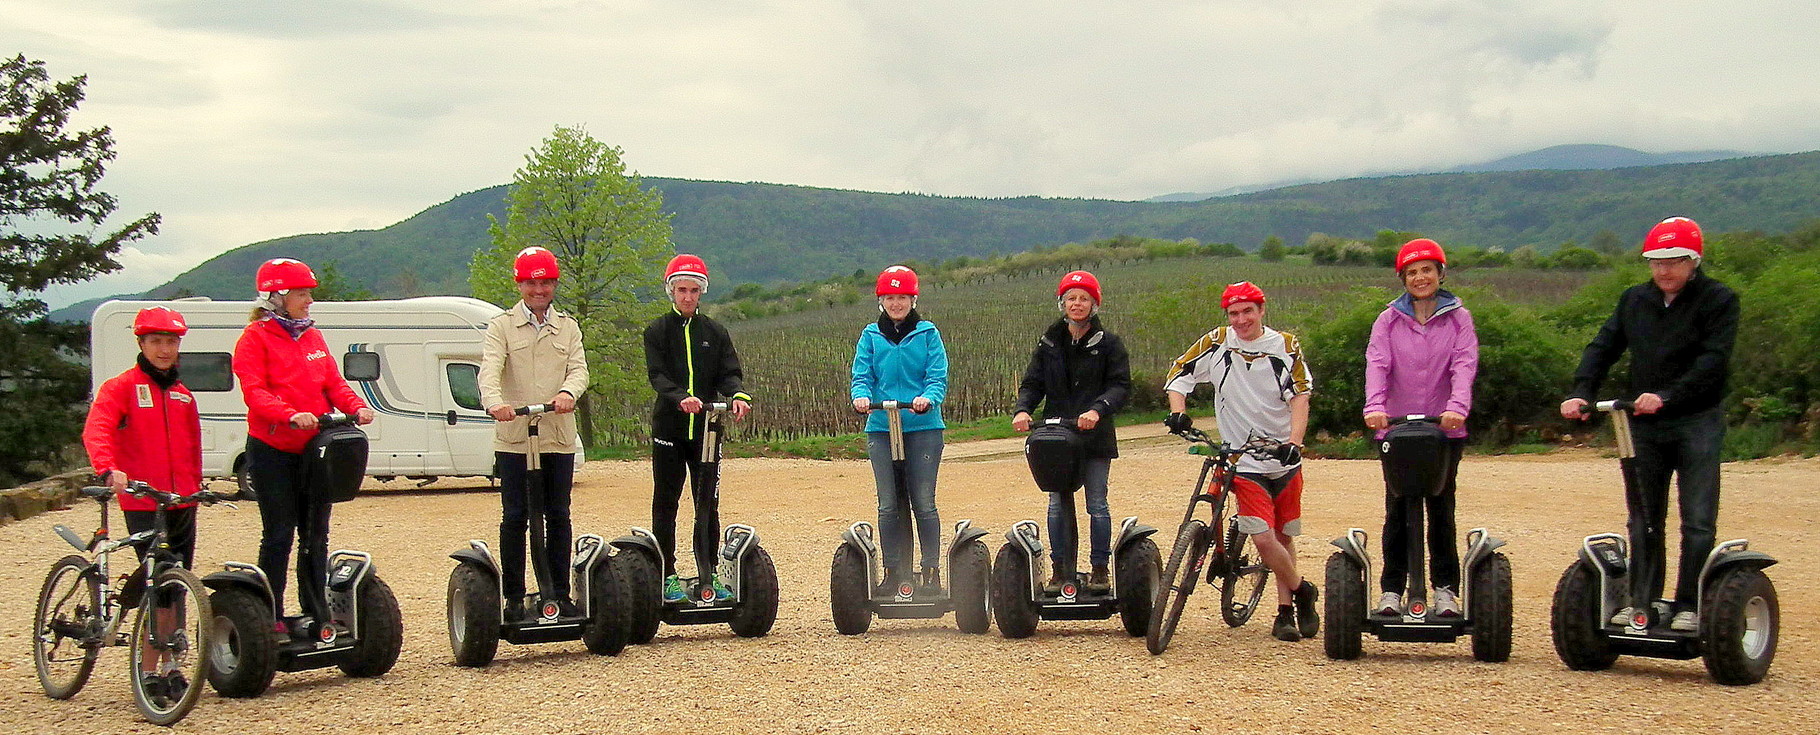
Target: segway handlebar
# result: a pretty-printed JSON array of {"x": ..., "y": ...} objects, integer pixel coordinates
[
  {"x": 333, "y": 418},
  {"x": 1415, "y": 418},
  {"x": 1060, "y": 421},
  {"x": 895, "y": 406},
  {"x": 1617, "y": 404},
  {"x": 535, "y": 409}
]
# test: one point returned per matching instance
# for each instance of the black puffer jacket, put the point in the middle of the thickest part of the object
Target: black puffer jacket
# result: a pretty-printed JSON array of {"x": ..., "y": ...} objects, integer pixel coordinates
[
  {"x": 689, "y": 356},
  {"x": 1070, "y": 378}
]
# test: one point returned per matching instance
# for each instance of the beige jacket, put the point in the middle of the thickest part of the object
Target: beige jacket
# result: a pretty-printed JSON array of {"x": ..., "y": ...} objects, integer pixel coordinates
[{"x": 521, "y": 365}]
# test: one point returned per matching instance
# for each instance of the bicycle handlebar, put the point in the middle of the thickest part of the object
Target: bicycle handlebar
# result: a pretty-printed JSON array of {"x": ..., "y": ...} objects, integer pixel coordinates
[
  {"x": 139, "y": 489},
  {"x": 1260, "y": 447}
]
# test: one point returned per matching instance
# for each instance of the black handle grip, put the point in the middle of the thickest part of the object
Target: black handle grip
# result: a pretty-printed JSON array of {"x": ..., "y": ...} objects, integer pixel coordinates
[{"x": 534, "y": 409}]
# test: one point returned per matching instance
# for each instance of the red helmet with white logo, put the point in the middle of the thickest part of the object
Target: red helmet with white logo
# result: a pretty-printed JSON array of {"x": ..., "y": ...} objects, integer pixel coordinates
[
  {"x": 1420, "y": 248},
  {"x": 687, "y": 266},
  {"x": 159, "y": 320},
  {"x": 1675, "y": 237},
  {"x": 896, "y": 280},
  {"x": 1241, "y": 292},
  {"x": 534, "y": 263},
  {"x": 1081, "y": 280},
  {"x": 284, "y": 274}
]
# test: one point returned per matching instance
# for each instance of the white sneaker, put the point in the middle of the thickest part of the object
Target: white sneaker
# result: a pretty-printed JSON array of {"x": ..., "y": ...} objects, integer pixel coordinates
[
  {"x": 1447, "y": 604},
  {"x": 1686, "y": 621},
  {"x": 1623, "y": 616},
  {"x": 1389, "y": 603}
]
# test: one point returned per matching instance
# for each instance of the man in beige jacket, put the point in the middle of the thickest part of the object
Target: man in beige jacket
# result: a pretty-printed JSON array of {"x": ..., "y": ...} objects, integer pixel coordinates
[{"x": 533, "y": 355}]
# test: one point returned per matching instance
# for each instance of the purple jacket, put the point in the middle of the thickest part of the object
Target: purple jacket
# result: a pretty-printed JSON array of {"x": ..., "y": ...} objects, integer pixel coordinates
[{"x": 1415, "y": 368}]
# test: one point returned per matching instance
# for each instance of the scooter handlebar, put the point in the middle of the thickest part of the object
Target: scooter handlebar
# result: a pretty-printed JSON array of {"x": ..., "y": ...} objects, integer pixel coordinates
[
  {"x": 1616, "y": 404},
  {"x": 333, "y": 418},
  {"x": 535, "y": 409},
  {"x": 1415, "y": 418},
  {"x": 895, "y": 406}
]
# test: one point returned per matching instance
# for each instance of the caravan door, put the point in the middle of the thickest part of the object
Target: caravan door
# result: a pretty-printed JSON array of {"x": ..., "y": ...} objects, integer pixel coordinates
[{"x": 467, "y": 427}]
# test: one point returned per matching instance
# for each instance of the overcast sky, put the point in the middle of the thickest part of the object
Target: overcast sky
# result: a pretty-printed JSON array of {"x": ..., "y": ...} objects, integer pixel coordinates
[{"x": 242, "y": 120}]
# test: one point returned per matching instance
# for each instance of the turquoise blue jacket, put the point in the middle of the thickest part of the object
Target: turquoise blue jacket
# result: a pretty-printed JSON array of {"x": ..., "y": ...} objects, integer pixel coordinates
[{"x": 916, "y": 366}]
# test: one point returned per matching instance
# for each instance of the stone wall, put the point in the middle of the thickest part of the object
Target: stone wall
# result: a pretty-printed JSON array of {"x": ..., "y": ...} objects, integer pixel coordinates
[{"x": 51, "y": 493}]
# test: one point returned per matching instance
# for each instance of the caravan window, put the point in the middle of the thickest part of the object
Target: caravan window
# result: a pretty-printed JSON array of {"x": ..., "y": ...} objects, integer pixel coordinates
[
  {"x": 464, "y": 385},
  {"x": 207, "y": 372}
]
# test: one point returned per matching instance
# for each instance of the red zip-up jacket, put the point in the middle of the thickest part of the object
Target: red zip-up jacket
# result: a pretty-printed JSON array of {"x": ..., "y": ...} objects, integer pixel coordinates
[
  {"x": 280, "y": 377},
  {"x": 150, "y": 433}
]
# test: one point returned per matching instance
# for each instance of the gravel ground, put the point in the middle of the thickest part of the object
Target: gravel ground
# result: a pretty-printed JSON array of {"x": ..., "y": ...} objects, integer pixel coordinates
[{"x": 924, "y": 676}]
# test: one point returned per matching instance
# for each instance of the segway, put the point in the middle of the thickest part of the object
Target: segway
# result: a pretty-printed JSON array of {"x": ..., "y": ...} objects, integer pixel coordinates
[
  {"x": 1739, "y": 617},
  {"x": 743, "y": 565},
  {"x": 363, "y": 633},
  {"x": 1414, "y": 454},
  {"x": 855, "y": 575},
  {"x": 1019, "y": 598},
  {"x": 477, "y": 615}
]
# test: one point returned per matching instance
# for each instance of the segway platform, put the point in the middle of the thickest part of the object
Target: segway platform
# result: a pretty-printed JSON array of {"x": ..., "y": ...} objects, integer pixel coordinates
[
  {"x": 857, "y": 573},
  {"x": 1020, "y": 599},
  {"x": 743, "y": 565},
  {"x": 1484, "y": 602}
]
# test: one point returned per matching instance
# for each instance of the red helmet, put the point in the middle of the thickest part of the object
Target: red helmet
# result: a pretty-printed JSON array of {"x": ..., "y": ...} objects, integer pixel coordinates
[
  {"x": 1420, "y": 248},
  {"x": 1241, "y": 292},
  {"x": 1081, "y": 280},
  {"x": 687, "y": 266},
  {"x": 158, "y": 319},
  {"x": 535, "y": 262},
  {"x": 896, "y": 280},
  {"x": 284, "y": 274},
  {"x": 1675, "y": 237}
]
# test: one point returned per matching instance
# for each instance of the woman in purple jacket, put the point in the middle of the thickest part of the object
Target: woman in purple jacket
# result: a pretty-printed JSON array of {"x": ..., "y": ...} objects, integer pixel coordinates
[{"x": 1422, "y": 358}]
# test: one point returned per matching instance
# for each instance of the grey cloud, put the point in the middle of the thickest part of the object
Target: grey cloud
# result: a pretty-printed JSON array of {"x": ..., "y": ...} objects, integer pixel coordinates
[{"x": 308, "y": 19}]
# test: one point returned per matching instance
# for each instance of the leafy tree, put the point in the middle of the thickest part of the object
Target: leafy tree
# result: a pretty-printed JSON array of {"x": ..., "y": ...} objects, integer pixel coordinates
[
  {"x": 331, "y": 285},
  {"x": 612, "y": 238},
  {"x": 1606, "y": 243},
  {"x": 1272, "y": 250},
  {"x": 49, "y": 208},
  {"x": 1573, "y": 257}
]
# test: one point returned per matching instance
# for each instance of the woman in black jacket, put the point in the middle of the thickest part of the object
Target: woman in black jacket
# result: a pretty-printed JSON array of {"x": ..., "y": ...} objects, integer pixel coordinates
[{"x": 1080, "y": 371}]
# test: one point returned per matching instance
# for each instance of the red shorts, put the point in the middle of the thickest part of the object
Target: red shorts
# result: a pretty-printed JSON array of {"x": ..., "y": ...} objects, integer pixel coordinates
[{"x": 1267, "y": 504}]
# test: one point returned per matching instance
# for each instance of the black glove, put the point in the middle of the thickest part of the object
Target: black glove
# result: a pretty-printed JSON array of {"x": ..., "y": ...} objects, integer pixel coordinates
[
  {"x": 1288, "y": 454},
  {"x": 1178, "y": 422}
]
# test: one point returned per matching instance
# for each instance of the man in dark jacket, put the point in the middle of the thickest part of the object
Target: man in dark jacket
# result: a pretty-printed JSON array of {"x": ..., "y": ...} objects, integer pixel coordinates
[
  {"x": 690, "y": 362},
  {"x": 1679, "y": 328}
]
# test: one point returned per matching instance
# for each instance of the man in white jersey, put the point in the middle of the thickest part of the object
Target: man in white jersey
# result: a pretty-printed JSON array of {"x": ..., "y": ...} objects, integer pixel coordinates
[{"x": 1261, "y": 389}]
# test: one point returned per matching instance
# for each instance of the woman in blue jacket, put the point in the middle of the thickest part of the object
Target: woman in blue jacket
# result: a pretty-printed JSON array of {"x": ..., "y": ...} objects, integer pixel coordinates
[{"x": 901, "y": 358}]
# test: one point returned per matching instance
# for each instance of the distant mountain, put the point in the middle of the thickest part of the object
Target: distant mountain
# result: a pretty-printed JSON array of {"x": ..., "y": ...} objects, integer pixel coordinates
[{"x": 1583, "y": 157}]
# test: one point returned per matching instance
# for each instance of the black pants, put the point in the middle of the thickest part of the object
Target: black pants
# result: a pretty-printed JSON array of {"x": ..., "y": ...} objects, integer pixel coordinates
[
  {"x": 515, "y": 498},
  {"x": 1443, "y": 555},
  {"x": 1687, "y": 448},
  {"x": 180, "y": 531},
  {"x": 671, "y": 459},
  {"x": 286, "y": 507}
]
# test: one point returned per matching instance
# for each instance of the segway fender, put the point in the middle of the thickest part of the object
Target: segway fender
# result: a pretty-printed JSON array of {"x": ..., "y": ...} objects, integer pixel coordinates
[
  {"x": 243, "y": 576},
  {"x": 1735, "y": 552},
  {"x": 478, "y": 555},
  {"x": 589, "y": 551},
  {"x": 1479, "y": 546},
  {"x": 1025, "y": 536},
  {"x": 642, "y": 541},
  {"x": 1353, "y": 546},
  {"x": 1130, "y": 532},
  {"x": 861, "y": 537},
  {"x": 1608, "y": 553},
  {"x": 964, "y": 533}
]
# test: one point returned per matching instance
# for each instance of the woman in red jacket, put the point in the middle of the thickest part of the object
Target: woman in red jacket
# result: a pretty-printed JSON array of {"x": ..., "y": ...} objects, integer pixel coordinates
[{"x": 288, "y": 377}]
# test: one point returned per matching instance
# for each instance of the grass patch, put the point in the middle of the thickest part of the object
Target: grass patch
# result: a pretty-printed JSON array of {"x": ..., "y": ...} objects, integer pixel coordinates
[
  {"x": 1751, "y": 441},
  {"x": 1353, "y": 448}
]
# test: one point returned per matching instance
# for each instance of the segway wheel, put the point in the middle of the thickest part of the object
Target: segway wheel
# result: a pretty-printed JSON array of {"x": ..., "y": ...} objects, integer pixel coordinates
[
  {"x": 1012, "y": 605},
  {"x": 243, "y": 654},
  {"x": 379, "y": 633},
  {"x": 1490, "y": 609},
  {"x": 1345, "y": 608},
  {"x": 847, "y": 593},
  {"x": 756, "y": 610},
  {"x": 473, "y": 615},
  {"x": 1739, "y": 627},
  {"x": 972, "y": 581},
  {"x": 644, "y": 594},
  {"x": 1179, "y": 579},
  {"x": 1578, "y": 633},
  {"x": 606, "y": 633},
  {"x": 1245, "y": 579},
  {"x": 1139, "y": 576}
]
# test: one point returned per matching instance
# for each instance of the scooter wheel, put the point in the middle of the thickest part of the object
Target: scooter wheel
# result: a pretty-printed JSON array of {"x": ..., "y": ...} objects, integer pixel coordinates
[
  {"x": 1012, "y": 605},
  {"x": 1139, "y": 575},
  {"x": 756, "y": 610},
  {"x": 1490, "y": 609},
  {"x": 379, "y": 634},
  {"x": 607, "y": 627},
  {"x": 1579, "y": 634},
  {"x": 972, "y": 584},
  {"x": 847, "y": 593},
  {"x": 644, "y": 593},
  {"x": 1345, "y": 608},
  {"x": 473, "y": 615},
  {"x": 1739, "y": 627},
  {"x": 243, "y": 652}
]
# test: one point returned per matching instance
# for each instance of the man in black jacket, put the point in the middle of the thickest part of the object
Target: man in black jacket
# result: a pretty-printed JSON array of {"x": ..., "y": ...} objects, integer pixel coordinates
[
  {"x": 690, "y": 362},
  {"x": 1679, "y": 328}
]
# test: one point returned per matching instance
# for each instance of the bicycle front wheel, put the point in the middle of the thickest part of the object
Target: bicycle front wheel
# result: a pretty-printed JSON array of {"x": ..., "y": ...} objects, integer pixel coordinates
[
  {"x": 1179, "y": 578},
  {"x": 170, "y": 646},
  {"x": 1245, "y": 579},
  {"x": 66, "y": 629}
]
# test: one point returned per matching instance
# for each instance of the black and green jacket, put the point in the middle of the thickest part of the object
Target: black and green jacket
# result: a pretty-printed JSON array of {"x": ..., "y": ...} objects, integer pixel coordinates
[{"x": 688, "y": 356}]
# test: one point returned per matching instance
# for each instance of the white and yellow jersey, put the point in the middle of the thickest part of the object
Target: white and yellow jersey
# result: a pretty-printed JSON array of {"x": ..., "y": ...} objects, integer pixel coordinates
[{"x": 1253, "y": 381}]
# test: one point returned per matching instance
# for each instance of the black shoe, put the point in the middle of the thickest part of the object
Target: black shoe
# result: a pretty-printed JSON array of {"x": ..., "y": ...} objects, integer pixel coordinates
[
  {"x": 930, "y": 582},
  {"x": 1099, "y": 581},
  {"x": 175, "y": 686},
  {"x": 515, "y": 610},
  {"x": 1054, "y": 585},
  {"x": 1285, "y": 628},
  {"x": 888, "y": 586},
  {"x": 153, "y": 685},
  {"x": 1308, "y": 620},
  {"x": 566, "y": 608}
]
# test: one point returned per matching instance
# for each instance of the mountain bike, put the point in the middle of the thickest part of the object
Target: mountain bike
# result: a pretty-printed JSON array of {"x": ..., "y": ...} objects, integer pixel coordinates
[{"x": 1214, "y": 547}]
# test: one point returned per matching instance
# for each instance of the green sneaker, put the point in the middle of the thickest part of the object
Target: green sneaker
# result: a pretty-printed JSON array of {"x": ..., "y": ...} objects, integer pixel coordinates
[
  {"x": 721, "y": 592},
  {"x": 673, "y": 589}
]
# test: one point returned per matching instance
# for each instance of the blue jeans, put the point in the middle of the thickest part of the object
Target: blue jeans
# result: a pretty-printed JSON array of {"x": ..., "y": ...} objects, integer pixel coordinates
[
  {"x": 1063, "y": 537},
  {"x": 922, "y": 459},
  {"x": 1687, "y": 447}
]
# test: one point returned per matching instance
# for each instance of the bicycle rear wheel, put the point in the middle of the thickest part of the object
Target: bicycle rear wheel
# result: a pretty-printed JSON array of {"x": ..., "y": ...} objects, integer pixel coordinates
[
  {"x": 1245, "y": 579},
  {"x": 1179, "y": 578},
  {"x": 66, "y": 627},
  {"x": 170, "y": 646}
]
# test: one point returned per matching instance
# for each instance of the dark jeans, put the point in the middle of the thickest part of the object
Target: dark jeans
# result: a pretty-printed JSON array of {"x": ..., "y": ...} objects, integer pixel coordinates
[
  {"x": 558, "y": 478},
  {"x": 1687, "y": 447},
  {"x": 671, "y": 461},
  {"x": 286, "y": 508},
  {"x": 1443, "y": 555},
  {"x": 180, "y": 530},
  {"x": 1064, "y": 535},
  {"x": 922, "y": 460}
]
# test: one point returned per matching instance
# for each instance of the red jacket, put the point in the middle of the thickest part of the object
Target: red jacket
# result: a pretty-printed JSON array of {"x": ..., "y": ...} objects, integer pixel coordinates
[
  {"x": 149, "y": 433},
  {"x": 280, "y": 376}
]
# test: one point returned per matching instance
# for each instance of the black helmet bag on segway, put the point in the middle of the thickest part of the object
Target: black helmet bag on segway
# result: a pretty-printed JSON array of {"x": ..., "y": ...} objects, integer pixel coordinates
[
  {"x": 743, "y": 565},
  {"x": 854, "y": 579},
  {"x": 1415, "y": 457},
  {"x": 1055, "y": 452},
  {"x": 477, "y": 610},
  {"x": 1739, "y": 616},
  {"x": 363, "y": 631}
]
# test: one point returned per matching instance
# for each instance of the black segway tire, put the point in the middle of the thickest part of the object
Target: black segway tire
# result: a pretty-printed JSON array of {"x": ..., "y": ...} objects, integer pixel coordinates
[
  {"x": 1139, "y": 576},
  {"x": 380, "y": 635},
  {"x": 644, "y": 596},
  {"x": 1739, "y": 627},
  {"x": 1012, "y": 606},
  {"x": 1579, "y": 634},
  {"x": 848, "y": 598},
  {"x": 1490, "y": 609},
  {"x": 971, "y": 584},
  {"x": 1345, "y": 608},
  {"x": 473, "y": 616},
  {"x": 607, "y": 620},
  {"x": 1245, "y": 578},
  {"x": 1178, "y": 581},
  {"x": 243, "y": 650},
  {"x": 756, "y": 610}
]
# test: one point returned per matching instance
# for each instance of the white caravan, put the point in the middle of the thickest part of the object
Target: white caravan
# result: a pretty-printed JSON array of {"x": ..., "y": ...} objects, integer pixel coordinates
[{"x": 415, "y": 361}]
